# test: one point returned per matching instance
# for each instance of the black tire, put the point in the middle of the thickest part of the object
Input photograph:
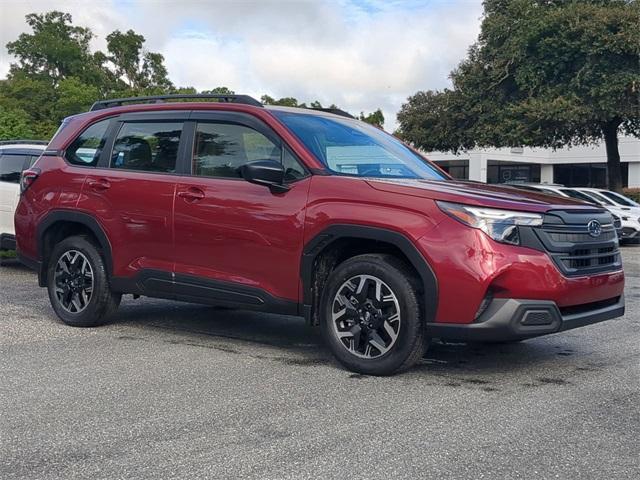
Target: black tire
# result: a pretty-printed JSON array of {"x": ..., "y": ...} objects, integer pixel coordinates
[
  {"x": 102, "y": 303},
  {"x": 408, "y": 346}
]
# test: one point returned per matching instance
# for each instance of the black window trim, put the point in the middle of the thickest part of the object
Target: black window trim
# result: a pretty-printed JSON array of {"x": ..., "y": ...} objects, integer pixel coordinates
[{"x": 189, "y": 119}]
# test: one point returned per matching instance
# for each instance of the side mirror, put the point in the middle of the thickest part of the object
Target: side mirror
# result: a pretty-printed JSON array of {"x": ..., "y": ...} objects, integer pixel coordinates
[{"x": 268, "y": 173}]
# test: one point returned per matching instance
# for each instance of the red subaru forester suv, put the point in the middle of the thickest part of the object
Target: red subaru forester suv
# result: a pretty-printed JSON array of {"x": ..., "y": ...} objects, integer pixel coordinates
[{"x": 310, "y": 213}]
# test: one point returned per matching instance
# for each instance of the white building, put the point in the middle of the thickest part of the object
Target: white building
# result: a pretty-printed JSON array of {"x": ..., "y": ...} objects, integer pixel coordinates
[{"x": 576, "y": 166}]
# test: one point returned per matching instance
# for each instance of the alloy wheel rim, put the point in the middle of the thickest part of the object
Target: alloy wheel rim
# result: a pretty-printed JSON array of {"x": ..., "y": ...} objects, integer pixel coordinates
[
  {"x": 365, "y": 315},
  {"x": 73, "y": 281}
]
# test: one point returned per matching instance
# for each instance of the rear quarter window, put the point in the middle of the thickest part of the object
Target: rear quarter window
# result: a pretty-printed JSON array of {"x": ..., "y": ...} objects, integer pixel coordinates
[{"x": 86, "y": 149}]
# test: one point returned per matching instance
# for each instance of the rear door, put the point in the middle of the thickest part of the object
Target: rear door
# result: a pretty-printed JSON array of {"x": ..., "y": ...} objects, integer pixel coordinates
[
  {"x": 238, "y": 242},
  {"x": 131, "y": 194}
]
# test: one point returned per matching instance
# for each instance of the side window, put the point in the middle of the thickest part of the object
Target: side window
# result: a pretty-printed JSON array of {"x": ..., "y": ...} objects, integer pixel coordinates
[
  {"x": 220, "y": 148},
  {"x": 293, "y": 169},
  {"x": 86, "y": 149},
  {"x": 11, "y": 167},
  {"x": 147, "y": 146}
]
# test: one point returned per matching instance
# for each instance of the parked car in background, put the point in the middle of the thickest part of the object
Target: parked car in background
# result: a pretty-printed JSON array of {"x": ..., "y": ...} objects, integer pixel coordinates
[
  {"x": 619, "y": 199},
  {"x": 15, "y": 157},
  {"x": 305, "y": 212},
  {"x": 630, "y": 215}
]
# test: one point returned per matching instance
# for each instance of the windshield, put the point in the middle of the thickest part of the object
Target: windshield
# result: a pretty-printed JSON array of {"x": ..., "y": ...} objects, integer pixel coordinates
[
  {"x": 349, "y": 147},
  {"x": 620, "y": 199},
  {"x": 600, "y": 198}
]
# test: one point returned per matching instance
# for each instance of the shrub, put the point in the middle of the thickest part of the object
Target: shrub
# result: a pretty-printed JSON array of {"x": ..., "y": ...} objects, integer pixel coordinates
[{"x": 632, "y": 193}]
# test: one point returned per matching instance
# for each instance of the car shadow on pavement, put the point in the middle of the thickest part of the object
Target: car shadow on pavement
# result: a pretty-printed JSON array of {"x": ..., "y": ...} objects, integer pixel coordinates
[{"x": 291, "y": 341}]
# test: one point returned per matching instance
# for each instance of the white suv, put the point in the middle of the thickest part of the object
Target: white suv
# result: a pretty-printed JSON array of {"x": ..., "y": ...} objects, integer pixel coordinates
[
  {"x": 15, "y": 156},
  {"x": 629, "y": 213}
]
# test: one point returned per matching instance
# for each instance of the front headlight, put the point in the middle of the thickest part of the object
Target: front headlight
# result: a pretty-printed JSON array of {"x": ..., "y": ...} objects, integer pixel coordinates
[{"x": 501, "y": 225}]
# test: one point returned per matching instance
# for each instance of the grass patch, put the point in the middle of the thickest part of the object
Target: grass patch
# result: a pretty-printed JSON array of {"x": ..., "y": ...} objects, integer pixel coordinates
[{"x": 7, "y": 254}]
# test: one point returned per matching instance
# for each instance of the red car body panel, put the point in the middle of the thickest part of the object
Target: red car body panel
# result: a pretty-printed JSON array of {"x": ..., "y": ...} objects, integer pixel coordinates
[
  {"x": 255, "y": 239},
  {"x": 244, "y": 234}
]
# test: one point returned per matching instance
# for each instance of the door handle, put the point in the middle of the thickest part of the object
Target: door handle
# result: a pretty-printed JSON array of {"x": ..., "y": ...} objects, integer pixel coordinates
[
  {"x": 99, "y": 185},
  {"x": 192, "y": 195}
]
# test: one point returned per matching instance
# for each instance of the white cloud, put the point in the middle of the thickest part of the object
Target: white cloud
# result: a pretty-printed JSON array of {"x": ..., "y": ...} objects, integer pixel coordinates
[{"x": 359, "y": 54}]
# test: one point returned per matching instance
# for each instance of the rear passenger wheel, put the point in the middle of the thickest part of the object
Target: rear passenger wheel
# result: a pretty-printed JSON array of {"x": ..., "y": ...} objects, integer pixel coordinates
[
  {"x": 78, "y": 284},
  {"x": 371, "y": 316}
]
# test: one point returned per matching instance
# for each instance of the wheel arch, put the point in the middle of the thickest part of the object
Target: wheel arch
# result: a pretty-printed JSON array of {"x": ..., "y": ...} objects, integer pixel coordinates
[
  {"x": 317, "y": 262},
  {"x": 61, "y": 224}
]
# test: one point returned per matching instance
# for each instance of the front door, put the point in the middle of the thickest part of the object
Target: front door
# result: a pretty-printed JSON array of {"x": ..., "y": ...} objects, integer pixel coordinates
[{"x": 237, "y": 242}]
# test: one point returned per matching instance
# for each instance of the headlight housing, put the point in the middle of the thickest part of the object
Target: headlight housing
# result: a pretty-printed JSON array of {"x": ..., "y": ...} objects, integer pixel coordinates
[{"x": 500, "y": 225}]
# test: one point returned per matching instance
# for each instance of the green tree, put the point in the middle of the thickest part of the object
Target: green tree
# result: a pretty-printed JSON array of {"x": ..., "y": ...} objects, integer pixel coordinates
[
  {"x": 74, "y": 96},
  {"x": 374, "y": 118},
  {"x": 14, "y": 124},
  {"x": 34, "y": 95},
  {"x": 137, "y": 68},
  {"x": 220, "y": 91},
  {"x": 547, "y": 73},
  {"x": 55, "y": 49},
  {"x": 284, "y": 101},
  {"x": 56, "y": 74}
]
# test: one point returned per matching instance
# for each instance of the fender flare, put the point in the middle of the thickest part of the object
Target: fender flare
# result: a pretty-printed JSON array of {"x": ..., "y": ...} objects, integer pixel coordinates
[
  {"x": 326, "y": 237},
  {"x": 73, "y": 217}
]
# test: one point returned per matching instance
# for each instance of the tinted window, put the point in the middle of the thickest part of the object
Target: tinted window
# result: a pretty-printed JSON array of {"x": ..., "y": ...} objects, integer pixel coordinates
[
  {"x": 11, "y": 167},
  {"x": 86, "y": 149},
  {"x": 220, "y": 148},
  {"x": 619, "y": 199},
  {"x": 293, "y": 169},
  {"x": 147, "y": 147},
  {"x": 600, "y": 198}
]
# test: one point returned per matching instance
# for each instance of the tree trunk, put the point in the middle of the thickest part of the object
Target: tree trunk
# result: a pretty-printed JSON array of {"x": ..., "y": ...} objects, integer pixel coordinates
[{"x": 614, "y": 172}]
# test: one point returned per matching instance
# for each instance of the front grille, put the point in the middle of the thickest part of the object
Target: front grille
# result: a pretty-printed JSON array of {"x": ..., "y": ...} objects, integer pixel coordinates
[
  {"x": 579, "y": 237},
  {"x": 565, "y": 237},
  {"x": 589, "y": 257}
]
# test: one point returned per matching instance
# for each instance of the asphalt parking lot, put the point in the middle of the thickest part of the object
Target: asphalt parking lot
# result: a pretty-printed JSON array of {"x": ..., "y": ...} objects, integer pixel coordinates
[{"x": 181, "y": 391}]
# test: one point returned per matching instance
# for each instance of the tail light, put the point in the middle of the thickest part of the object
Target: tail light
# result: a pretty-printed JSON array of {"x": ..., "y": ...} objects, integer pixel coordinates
[{"x": 27, "y": 178}]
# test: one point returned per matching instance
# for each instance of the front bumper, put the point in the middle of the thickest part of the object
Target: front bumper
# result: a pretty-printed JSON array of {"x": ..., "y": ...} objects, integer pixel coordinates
[
  {"x": 629, "y": 234},
  {"x": 508, "y": 319}
]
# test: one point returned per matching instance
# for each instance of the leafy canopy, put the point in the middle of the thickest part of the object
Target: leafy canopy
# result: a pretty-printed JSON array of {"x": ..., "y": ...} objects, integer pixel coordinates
[
  {"x": 56, "y": 75},
  {"x": 544, "y": 73}
]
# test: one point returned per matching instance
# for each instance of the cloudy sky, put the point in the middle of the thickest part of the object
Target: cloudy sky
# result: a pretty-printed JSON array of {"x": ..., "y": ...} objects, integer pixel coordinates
[{"x": 359, "y": 54}]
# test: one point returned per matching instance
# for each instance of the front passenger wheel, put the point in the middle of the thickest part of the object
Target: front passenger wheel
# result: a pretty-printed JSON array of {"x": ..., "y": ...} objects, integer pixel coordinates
[
  {"x": 371, "y": 316},
  {"x": 78, "y": 284}
]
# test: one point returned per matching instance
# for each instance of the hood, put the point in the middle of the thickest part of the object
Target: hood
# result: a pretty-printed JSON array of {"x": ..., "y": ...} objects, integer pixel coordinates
[
  {"x": 630, "y": 212},
  {"x": 480, "y": 194}
]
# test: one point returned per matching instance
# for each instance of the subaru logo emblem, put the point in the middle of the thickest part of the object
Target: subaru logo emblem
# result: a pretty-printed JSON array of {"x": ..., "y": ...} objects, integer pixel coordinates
[{"x": 594, "y": 228}]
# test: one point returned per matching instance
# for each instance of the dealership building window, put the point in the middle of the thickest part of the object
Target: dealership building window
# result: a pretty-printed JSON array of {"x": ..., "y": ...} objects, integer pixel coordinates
[
  {"x": 512, "y": 172},
  {"x": 458, "y": 169},
  {"x": 586, "y": 174}
]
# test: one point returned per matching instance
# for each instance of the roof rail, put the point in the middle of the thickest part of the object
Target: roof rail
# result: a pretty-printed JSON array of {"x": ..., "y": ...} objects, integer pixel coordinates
[
  {"x": 335, "y": 111},
  {"x": 24, "y": 142},
  {"x": 118, "y": 102}
]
